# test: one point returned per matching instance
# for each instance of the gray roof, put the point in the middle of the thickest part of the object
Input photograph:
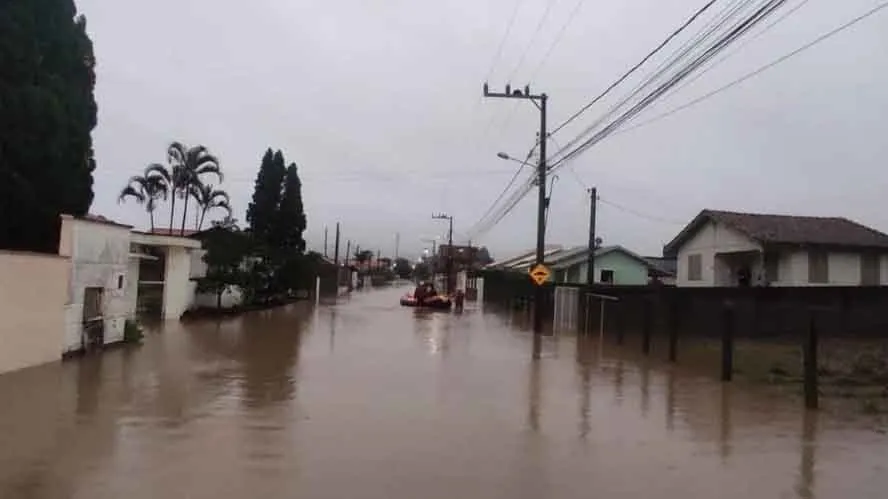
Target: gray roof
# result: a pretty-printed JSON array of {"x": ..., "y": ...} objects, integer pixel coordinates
[{"x": 786, "y": 229}]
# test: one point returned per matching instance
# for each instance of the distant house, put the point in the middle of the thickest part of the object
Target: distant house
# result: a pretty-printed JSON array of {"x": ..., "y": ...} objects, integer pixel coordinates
[
  {"x": 663, "y": 269},
  {"x": 721, "y": 248},
  {"x": 613, "y": 265}
]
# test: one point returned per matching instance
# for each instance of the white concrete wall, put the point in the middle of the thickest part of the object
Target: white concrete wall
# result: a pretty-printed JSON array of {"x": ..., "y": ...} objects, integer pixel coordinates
[
  {"x": 232, "y": 297},
  {"x": 844, "y": 270},
  {"x": 710, "y": 239},
  {"x": 33, "y": 292},
  {"x": 198, "y": 266},
  {"x": 178, "y": 290},
  {"x": 132, "y": 287},
  {"x": 99, "y": 255}
]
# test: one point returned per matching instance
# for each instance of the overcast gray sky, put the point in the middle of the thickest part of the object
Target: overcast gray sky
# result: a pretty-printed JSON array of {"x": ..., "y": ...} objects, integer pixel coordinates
[{"x": 379, "y": 103}]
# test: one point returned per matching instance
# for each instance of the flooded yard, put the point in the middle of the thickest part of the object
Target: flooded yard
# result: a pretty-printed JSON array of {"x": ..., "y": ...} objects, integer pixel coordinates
[{"x": 367, "y": 399}]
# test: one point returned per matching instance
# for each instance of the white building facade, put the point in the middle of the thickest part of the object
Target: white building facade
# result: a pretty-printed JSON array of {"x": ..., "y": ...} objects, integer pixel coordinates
[
  {"x": 98, "y": 301},
  {"x": 720, "y": 249}
]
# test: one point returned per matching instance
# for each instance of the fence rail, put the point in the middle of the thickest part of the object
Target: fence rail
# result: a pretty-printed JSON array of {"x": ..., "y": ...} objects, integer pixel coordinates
[{"x": 803, "y": 317}]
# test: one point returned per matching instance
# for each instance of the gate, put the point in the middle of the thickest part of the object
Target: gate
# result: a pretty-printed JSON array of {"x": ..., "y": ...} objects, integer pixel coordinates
[{"x": 566, "y": 309}]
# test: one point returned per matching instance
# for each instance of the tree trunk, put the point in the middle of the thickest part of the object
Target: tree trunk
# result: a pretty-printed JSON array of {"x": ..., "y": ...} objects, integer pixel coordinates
[
  {"x": 196, "y": 218},
  {"x": 151, "y": 218},
  {"x": 172, "y": 209},
  {"x": 202, "y": 215},
  {"x": 184, "y": 214}
]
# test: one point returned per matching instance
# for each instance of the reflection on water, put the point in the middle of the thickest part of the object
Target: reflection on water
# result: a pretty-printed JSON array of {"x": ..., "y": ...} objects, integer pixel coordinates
[
  {"x": 805, "y": 487},
  {"x": 367, "y": 399}
]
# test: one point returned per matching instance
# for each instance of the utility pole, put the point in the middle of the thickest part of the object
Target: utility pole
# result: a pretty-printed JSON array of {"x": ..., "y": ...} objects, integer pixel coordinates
[
  {"x": 348, "y": 246},
  {"x": 449, "y": 218},
  {"x": 539, "y": 100},
  {"x": 590, "y": 264},
  {"x": 325, "y": 240},
  {"x": 336, "y": 258}
]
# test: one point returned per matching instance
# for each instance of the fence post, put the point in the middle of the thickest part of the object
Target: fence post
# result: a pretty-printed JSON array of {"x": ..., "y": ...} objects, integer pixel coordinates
[
  {"x": 646, "y": 328},
  {"x": 673, "y": 330},
  {"x": 601, "y": 323},
  {"x": 621, "y": 321},
  {"x": 810, "y": 365},
  {"x": 727, "y": 343}
]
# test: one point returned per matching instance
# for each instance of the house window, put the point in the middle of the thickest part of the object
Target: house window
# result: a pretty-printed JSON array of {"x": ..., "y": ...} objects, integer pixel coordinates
[
  {"x": 120, "y": 282},
  {"x": 818, "y": 267},
  {"x": 695, "y": 268},
  {"x": 870, "y": 271},
  {"x": 772, "y": 267},
  {"x": 607, "y": 276}
]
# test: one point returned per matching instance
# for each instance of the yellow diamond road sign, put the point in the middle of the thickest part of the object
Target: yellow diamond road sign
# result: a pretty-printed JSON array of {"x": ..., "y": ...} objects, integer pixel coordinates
[{"x": 539, "y": 273}]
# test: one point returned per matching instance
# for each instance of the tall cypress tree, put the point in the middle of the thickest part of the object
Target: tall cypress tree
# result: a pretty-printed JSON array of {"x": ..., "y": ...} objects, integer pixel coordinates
[
  {"x": 47, "y": 112},
  {"x": 291, "y": 216},
  {"x": 262, "y": 211}
]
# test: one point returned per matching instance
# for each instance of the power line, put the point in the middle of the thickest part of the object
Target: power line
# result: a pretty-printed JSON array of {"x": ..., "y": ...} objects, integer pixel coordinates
[
  {"x": 502, "y": 43},
  {"x": 635, "y": 68},
  {"x": 539, "y": 27},
  {"x": 762, "y": 69},
  {"x": 557, "y": 40},
  {"x": 738, "y": 48},
  {"x": 737, "y": 31},
  {"x": 481, "y": 220},
  {"x": 727, "y": 14},
  {"x": 639, "y": 214}
]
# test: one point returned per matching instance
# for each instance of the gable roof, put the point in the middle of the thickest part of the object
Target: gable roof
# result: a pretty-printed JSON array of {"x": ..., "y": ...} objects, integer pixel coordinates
[
  {"x": 580, "y": 254},
  {"x": 786, "y": 229},
  {"x": 528, "y": 255},
  {"x": 666, "y": 266},
  {"x": 558, "y": 258}
]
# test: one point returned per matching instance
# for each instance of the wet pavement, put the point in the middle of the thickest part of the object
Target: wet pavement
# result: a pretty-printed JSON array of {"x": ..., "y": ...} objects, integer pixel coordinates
[{"x": 371, "y": 400}]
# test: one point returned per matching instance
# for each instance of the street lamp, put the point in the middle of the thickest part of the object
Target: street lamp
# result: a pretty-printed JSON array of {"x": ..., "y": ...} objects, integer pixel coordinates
[
  {"x": 502, "y": 155},
  {"x": 442, "y": 216}
]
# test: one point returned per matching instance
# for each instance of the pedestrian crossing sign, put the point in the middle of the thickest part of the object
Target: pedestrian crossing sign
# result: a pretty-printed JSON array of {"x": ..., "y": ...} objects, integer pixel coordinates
[{"x": 540, "y": 274}]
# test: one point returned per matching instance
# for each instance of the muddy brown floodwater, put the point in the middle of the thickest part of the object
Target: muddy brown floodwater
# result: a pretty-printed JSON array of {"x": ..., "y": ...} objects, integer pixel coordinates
[{"x": 370, "y": 400}]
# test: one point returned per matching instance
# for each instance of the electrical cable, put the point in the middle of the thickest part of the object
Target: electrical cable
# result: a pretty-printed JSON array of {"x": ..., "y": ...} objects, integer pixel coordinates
[
  {"x": 761, "y": 69},
  {"x": 502, "y": 43},
  {"x": 557, "y": 40},
  {"x": 508, "y": 186},
  {"x": 758, "y": 16},
  {"x": 539, "y": 27},
  {"x": 634, "y": 68},
  {"x": 638, "y": 213},
  {"x": 717, "y": 45},
  {"x": 737, "y": 49},
  {"x": 766, "y": 9}
]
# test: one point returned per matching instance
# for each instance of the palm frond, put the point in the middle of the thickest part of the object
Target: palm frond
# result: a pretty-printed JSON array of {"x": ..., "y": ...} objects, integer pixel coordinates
[{"x": 131, "y": 191}]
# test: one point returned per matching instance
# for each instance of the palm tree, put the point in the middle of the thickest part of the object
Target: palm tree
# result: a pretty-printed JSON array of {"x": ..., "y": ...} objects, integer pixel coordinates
[
  {"x": 187, "y": 166},
  {"x": 207, "y": 199},
  {"x": 147, "y": 189}
]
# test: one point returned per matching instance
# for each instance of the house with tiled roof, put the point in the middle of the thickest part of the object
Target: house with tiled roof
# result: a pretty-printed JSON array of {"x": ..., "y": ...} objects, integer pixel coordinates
[
  {"x": 613, "y": 265},
  {"x": 724, "y": 248}
]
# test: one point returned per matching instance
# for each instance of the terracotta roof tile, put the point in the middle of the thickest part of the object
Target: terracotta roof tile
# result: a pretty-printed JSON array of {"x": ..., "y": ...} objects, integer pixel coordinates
[{"x": 788, "y": 229}]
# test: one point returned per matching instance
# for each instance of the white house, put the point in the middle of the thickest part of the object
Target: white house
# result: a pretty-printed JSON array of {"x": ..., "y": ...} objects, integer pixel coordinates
[
  {"x": 169, "y": 278},
  {"x": 98, "y": 298},
  {"x": 613, "y": 265},
  {"x": 721, "y": 248}
]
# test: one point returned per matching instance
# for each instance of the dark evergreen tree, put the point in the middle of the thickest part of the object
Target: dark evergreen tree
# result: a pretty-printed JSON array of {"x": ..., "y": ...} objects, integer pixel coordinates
[
  {"x": 291, "y": 220},
  {"x": 262, "y": 211},
  {"x": 47, "y": 112}
]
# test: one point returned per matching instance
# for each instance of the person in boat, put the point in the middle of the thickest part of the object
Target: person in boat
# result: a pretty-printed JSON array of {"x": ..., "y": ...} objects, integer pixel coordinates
[{"x": 423, "y": 292}]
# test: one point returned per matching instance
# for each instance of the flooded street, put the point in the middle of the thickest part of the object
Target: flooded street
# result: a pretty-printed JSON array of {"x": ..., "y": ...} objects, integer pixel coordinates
[{"x": 371, "y": 400}]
